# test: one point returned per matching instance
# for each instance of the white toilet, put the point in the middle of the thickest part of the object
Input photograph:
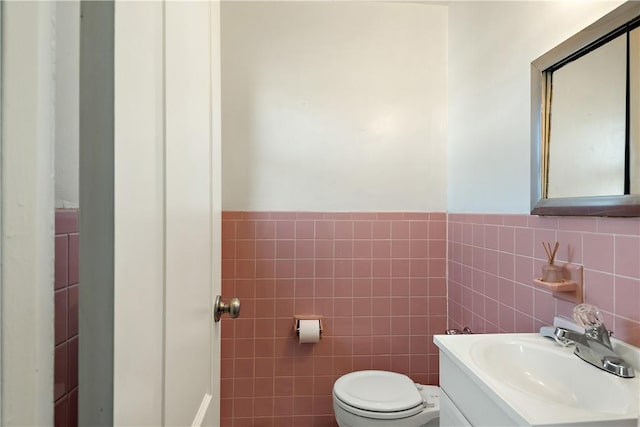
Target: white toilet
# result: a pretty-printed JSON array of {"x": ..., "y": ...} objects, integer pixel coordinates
[{"x": 381, "y": 399}]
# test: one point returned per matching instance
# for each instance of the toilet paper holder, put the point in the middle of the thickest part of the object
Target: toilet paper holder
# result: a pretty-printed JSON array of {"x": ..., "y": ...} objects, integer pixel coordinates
[{"x": 297, "y": 318}]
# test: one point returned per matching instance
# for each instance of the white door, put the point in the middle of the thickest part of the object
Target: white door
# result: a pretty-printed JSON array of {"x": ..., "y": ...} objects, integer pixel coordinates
[
  {"x": 166, "y": 214},
  {"x": 192, "y": 195},
  {"x": 177, "y": 174}
]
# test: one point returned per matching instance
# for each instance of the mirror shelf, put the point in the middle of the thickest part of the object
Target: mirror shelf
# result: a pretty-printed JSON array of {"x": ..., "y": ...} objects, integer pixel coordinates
[{"x": 614, "y": 206}]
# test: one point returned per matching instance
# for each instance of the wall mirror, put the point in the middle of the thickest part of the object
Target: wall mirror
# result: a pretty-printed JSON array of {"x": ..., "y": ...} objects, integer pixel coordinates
[{"x": 585, "y": 121}]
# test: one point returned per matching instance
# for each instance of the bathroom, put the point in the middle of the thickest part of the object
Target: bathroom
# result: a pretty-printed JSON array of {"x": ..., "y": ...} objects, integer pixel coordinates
[
  {"x": 477, "y": 128},
  {"x": 388, "y": 160}
]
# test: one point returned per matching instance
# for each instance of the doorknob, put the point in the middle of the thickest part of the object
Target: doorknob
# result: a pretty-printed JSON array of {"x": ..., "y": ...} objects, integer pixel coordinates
[{"x": 219, "y": 308}]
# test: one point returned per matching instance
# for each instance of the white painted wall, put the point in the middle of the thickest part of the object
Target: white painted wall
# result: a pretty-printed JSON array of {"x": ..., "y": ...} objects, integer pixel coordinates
[
  {"x": 67, "y": 102},
  {"x": 491, "y": 46},
  {"x": 343, "y": 106},
  {"x": 334, "y": 106}
]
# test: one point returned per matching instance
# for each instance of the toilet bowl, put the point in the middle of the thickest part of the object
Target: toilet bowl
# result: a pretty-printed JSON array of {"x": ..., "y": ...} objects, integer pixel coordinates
[{"x": 382, "y": 399}]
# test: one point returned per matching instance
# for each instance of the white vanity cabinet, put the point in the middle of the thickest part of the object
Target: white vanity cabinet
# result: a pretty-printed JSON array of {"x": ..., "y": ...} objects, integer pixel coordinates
[
  {"x": 463, "y": 402},
  {"x": 450, "y": 415}
]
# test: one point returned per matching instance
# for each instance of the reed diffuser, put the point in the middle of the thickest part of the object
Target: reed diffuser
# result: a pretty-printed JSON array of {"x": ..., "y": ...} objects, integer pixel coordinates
[{"x": 551, "y": 272}]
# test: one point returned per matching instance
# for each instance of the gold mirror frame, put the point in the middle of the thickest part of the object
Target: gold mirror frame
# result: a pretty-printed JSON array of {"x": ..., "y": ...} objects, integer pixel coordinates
[{"x": 623, "y": 205}]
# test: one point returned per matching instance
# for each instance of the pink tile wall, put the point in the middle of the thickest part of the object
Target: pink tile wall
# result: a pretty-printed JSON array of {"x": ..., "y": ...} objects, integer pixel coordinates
[
  {"x": 379, "y": 281},
  {"x": 66, "y": 319},
  {"x": 492, "y": 260}
]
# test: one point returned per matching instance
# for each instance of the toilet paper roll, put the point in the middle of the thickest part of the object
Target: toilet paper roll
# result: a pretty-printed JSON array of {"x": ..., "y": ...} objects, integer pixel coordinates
[{"x": 309, "y": 331}]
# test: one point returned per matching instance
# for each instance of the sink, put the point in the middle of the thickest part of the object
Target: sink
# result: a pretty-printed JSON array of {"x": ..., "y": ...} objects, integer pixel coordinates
[
  {"x": 543, "y": 371},
  {"x": 532, "y": 380}
]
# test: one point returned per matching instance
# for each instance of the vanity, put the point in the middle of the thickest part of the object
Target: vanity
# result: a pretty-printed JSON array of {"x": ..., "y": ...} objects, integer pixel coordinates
[{"x": 530, "y": 380}]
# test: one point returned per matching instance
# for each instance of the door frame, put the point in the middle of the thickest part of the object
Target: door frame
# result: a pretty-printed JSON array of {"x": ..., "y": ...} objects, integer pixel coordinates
[
  {"x": 96, "y": 218},
  {"x": 27, "y": 244}
]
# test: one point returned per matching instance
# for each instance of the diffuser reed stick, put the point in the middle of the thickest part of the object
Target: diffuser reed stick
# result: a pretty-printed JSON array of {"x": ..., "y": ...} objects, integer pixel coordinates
[
  {"x": 550, "y": 272},
  {"x": 551, "y": 253}
]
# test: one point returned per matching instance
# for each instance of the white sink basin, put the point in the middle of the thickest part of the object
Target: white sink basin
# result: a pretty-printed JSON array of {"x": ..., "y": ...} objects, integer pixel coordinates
[
  {"x": 541, "y": 371},
  {"x": 538, "y": 382}
]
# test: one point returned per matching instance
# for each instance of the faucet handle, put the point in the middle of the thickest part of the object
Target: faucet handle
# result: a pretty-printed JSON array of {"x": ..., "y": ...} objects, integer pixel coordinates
[
  {"x": 590, "y": 317},
  {"x": 587, "y": 316}
]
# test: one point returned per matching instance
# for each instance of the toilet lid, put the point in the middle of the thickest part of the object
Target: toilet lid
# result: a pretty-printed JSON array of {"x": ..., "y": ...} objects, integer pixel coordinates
[{"x": 378, "y": 391}]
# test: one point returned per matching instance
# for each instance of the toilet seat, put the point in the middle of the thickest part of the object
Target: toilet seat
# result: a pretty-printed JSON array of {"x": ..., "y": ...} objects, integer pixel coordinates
[{"x": 378, "y": 394}]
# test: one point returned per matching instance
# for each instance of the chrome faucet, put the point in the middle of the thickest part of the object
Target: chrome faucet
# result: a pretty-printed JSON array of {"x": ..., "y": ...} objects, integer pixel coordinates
[{"x": 593, "y": 346}]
